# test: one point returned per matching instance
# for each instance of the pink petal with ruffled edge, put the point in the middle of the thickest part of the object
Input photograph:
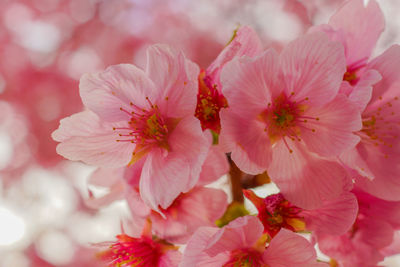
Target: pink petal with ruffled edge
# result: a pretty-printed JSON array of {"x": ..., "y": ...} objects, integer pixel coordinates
[
  {"x": 163, "y": 179},
  {"x": 355, "y": 163},
  {"x": 245, "y": 43},
  {"x": 215, "y": 166},
  {"x": 333, "y": 132},
  {"x": 385, "y": 184},
  {"x": 362, "y": 92},
  {"x": 175, "y": 77},
  {"x": 194, "y": 254},
  {"x": 313, "y": 68},
  {"x": 248, "y": 142},
  {"x": 361, "y": 27},
  {"x": 171, "y": 258},
  {"x": 290, "y": 249},
  {"x": 106, "y": 92},
  {"x": 167, "y": 174},
  {"x": 387, "y": 65},
  {"x": 306, "y": 179},
  {"x": 334, "y": 217},
  {"x": 199, "y": 207},
  {"x": 84, "y": 137},
  {"x": 243, "y": 232},
  {"x": 376, "y": 208},
  {"x": 348, "y": 253},
  {"x": 249, "y": 83},
  {"x": 394, "y": 247},
  {"x": 380, "y": 151}
]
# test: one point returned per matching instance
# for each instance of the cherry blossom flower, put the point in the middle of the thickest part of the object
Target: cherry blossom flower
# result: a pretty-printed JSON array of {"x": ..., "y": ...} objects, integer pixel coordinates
[
  {"x": 375, "y": 160},
  {"x": 242, "y": 243},
  {"x": 334, "y": 217},
  {"x": 373, "y": 231},
  {"x": 135, "y": 114},
  {"x": 285, "y": 116}
]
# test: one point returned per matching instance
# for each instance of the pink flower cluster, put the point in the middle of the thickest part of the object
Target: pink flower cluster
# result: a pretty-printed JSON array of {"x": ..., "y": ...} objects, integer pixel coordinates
[{"x": 321, "y": 118}]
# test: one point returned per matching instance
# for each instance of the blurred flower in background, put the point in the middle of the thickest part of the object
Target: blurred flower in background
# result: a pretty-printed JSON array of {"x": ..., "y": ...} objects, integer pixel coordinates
[{"x": 46, "y": 45}]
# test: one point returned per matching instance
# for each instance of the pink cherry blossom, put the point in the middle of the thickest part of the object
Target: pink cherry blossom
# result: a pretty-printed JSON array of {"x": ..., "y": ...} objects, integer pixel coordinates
[
  {"x": 373, "y": 231},
  {"x": 358, "y": 28},
  {"x": 334, "y": 217},
  {"x": 134, "y": 115},
  {"x": 241, "y": 242},
  {"x": 375, "y": 160},
  {"x": 285, "y": 116}
]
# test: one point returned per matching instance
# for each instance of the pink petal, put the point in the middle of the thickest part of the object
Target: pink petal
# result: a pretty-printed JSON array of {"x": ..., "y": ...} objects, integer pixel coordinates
[
  {"x": 289, "y": 249},
  {"x": 352, "y": 159},
  {"x": 362, "y": 91},
  {"x": 371, "y": 206},
  {"x": 248, "y": 142},
  {"x": 163, "y": 179},
  {"x": 106, "y": 92},
  {"x": 190, "y": 143},
  {"x": 334, "y": 216},
  {"x": 376, "y": 233},
  {"x": 245, "y": 43},
  {"x": 394, "y": 247},
  {"x": 247, "y": 83},
  {"x": 348, "y": 252},
  {"x": 171, "y": 258},
  {"x": 133, "y": 172},
  {"x": 175, "y": 77},
  {"x": 334, "y": 130},
  {"x": 199, "y": 207},
  {"x": 243, "y": 232},
  {"x": 137, "y": 206},
  {"x": 361, "y": 26},
  {"x": 313, "y": 67},
  {"x": 194, "y": 255},
  {"x": 387, "y": 65},
  {"x": 305, "y": 179},
  {"x": 167, "y": 174},
  {"x": 84, "y": 137},
  {"x": 385, "y": 169},
  {"x": 215, "y": 166}
]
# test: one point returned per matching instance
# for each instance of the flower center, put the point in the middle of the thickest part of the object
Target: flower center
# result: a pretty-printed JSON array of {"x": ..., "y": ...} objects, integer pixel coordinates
[
  {"x": 284, "y": 117},
  {"x": 276, "y": 212},
  {"x": 248, "y": 257},
  {"x": 351, "y": 73},
  {"x": 146, "y": 126},
  {"x": 209, "y": 103},
  {"x": 129, "y": 251},
  {"x": 351, "y": 77},
  {"x": 381, "y": 127}
]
